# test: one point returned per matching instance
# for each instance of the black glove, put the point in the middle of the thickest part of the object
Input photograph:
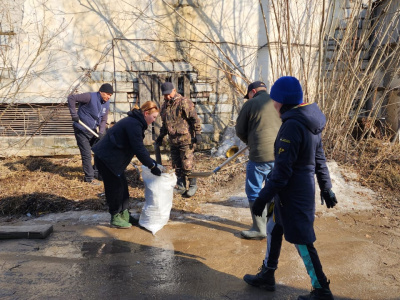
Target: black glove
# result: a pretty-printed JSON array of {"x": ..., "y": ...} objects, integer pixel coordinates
[
  {"x": 329, "y": 197},
  {"x": 155, "y": 170},
  {"x": 258, "y": 207},
  {"x": 75, "y": 119},
  {"x": 198, "y": 139},
  {"x": 159, "y": 140}
]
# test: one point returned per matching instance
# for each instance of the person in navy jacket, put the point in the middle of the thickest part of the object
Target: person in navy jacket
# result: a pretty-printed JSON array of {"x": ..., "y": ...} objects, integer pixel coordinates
[
  {"x": 93, "y": 112},
  {"x": 298, "y": 156},
  {"x": 114, "y": 152}
]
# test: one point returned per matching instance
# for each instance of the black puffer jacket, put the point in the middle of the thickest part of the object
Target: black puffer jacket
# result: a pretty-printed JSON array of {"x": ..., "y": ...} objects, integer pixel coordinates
[{"x": 122, "y": 142}]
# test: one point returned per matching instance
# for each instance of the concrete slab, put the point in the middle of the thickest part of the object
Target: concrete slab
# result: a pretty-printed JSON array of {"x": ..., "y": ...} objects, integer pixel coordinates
[{"x": 25, "y": 232}]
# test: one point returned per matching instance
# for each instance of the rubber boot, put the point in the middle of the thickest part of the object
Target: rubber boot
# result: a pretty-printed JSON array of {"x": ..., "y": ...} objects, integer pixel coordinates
[
  {"x": 180, "y": 187},
  {"x": 323, "y": 293},
  {"x": 118, "y": 222},
  {"x": 192, "y": 187},
  {"x": 264, "y": 279},
  {"x": 126, "y": 216},
  {"x": 259, "y": 228}
]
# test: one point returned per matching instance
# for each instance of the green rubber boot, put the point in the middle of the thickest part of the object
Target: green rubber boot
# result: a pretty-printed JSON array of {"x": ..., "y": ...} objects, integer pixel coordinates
[
  {"x": 259, "y": 228},
  {"x": 127, "y": 217},
  {"x": 118, "y": 222}
]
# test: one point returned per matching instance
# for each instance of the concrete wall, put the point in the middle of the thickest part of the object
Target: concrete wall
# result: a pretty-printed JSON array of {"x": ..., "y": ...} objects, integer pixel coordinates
[
  {"x": 63, "y": 47},
  {"x": 58, "y": 47}
]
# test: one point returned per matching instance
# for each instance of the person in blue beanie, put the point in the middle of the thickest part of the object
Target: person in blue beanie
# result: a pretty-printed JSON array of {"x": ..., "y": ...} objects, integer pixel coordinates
[
  {"x": 298, "y": 156},
  {"x": 93, "y": 112}
]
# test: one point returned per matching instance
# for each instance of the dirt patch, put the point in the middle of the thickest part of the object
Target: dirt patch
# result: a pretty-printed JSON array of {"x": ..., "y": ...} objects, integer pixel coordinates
[{"x": 40, "y": 185}]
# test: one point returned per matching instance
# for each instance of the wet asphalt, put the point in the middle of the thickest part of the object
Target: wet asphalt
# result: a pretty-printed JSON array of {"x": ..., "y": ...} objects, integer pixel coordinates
[{"x": 194, "y": 257}]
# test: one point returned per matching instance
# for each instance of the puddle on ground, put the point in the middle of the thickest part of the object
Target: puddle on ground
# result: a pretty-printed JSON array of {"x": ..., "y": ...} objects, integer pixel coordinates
[{"x": 96, "y": 249}]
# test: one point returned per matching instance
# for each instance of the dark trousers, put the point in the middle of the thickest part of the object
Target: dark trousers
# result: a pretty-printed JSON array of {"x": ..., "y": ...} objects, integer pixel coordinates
[
  {"x": 313, "y": 265},
  {"x": 274, "y": 243},
  {"x": 85, "y": 141},
  {"x": 115, "y": 188},
  {"x": 307, "y": 252},
  {"x": 182, "y": 157}
]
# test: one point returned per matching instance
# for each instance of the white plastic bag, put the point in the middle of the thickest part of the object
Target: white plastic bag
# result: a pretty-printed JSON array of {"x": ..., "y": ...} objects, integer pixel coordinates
[{"x": 159, "y": 193}]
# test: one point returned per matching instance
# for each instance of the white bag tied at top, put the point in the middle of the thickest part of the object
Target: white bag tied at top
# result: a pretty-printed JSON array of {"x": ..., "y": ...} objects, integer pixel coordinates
[{"x": 159, "y": 193}]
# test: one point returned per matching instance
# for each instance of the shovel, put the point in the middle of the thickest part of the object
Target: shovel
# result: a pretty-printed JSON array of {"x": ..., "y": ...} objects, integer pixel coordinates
[
  {"x": 157, "y": 153},
  {"x": 206, "y": 174}
]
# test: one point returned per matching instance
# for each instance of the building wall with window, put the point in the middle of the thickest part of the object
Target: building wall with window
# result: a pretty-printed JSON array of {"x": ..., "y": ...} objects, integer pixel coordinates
[{"x": 210, "y": 49}]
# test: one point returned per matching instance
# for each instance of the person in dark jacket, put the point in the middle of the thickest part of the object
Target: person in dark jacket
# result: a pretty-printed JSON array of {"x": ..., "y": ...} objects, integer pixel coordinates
[
  {"x": 93, "y": 112},
  {"x": 298, "y": 156},
  {"x": 114, "y": 152}
]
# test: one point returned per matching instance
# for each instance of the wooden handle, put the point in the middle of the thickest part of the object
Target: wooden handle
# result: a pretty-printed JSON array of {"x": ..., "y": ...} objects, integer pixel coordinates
[{"x": 87, "y": 127}]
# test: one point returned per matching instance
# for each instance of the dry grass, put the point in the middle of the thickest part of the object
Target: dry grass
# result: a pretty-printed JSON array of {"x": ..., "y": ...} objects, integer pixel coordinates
[
  {"x": 378, "y": 163},
  {"x": 37, "y": 185}
]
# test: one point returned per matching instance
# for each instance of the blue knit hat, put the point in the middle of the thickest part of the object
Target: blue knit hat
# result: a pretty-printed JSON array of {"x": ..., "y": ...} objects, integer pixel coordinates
[{"x": 287, "y": 90}]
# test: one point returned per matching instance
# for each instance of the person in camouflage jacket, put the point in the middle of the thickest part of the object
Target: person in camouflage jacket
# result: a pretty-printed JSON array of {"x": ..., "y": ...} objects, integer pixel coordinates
[{"x": 183, "y": 127}]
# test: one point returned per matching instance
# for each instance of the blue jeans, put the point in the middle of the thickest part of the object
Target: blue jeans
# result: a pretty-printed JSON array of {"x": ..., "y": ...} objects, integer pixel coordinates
[{"x": 256, "y": 174}]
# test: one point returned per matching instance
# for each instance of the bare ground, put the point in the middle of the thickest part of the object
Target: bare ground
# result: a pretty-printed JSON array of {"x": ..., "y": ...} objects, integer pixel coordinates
[{"x": 358, "y": 240}]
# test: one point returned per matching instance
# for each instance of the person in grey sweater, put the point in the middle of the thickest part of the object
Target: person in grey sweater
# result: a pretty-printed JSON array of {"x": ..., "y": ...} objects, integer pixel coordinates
[{"x": 257, "y": 126}]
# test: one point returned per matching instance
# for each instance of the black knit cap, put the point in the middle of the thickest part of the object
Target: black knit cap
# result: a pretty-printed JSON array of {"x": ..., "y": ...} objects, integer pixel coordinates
[{"x": 106, "y": 88}]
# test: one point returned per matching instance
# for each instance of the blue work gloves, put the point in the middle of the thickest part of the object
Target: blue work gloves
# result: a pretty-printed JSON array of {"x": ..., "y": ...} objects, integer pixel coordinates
[
  {"x": 155, "y": 170},
  {"x": 329, "y": 197},
  {"x": 75, "y": 119},
  {"x": 259, "y": 206}
]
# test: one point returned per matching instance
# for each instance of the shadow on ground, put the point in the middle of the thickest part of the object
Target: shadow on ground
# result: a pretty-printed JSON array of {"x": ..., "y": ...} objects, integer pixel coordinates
[{"x": 107, "y": 268}]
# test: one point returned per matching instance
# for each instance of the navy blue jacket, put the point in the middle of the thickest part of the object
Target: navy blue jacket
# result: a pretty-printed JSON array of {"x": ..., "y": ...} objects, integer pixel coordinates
[
  {"x": 123, "y": 141},
  {"x": 93, "y": 111},
  {"x": 298, "y": 156}
]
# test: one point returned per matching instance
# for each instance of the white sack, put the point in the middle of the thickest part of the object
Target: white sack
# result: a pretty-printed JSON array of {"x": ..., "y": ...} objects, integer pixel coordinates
[{"x": 159, "y": 193}]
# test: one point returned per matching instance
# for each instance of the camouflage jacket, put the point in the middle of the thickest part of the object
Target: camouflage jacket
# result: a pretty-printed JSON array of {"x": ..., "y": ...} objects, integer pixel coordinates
[{"x": 179, "y": 120}]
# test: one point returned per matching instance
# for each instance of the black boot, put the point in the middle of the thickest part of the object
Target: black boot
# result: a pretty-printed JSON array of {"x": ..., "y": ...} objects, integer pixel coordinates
[
  {"x": 192, "y": 187},
  {"x": 264, "y": 279},
  {"x": 323, "y": 293},
  {"x": 180, "y": 187}
]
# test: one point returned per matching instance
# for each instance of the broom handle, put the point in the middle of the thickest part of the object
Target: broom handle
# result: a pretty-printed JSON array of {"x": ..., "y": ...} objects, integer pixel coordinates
[{"x": 87, "y": 127}]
